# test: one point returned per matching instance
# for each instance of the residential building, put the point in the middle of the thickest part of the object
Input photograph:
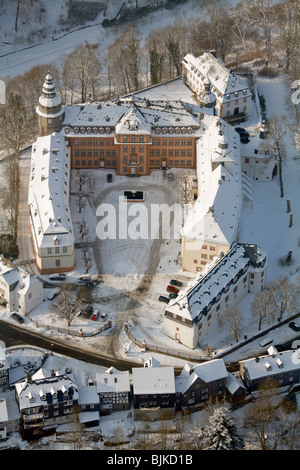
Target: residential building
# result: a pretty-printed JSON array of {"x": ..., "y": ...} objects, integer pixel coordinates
[
  {"x": 235, "y": 391},
  {"x": 199, "y": 383},
  {"x": 50, "y": 216},
  {"x": 113, "y": 389},
  {"x": 189, "y": 316},
  {"x": 4, "y": 371},
  {"x": 9, "y": 414},
  {"x": 233, "y": 97},
  {"x": 154, "y": 394},
  {"x": 88, "y": 402},
  {"x": 46, "y": 402},
  {"x": 19, "y": 290},
  {"x": 282, "y": 368}
]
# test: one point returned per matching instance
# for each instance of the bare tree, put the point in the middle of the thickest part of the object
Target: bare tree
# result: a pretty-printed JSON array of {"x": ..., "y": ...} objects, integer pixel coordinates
[
  {"x": 262, "y": 17},
  {"x": 185, "y": 186},
  {"x": 81, "y": 202},
  {"x": 261, "y": 307},
  {"x": 283, "y": 296},
  {"x": 277, "y": 128},
  {"x": 66, "y": 305},
  {"x": 231, "y": 322}
]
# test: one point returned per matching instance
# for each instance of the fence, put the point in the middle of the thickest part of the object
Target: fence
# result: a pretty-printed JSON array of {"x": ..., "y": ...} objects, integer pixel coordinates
[
  {"x": 203, "y": 356},
  {"x": 72, "y": 331}
]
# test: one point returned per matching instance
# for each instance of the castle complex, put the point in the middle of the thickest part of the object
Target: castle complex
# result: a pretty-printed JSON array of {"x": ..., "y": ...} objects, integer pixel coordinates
[{"x": 133, "y": 136}]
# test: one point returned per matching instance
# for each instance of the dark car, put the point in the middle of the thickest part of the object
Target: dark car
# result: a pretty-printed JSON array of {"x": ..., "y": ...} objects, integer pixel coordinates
[
  {"x": 58, "y": 277},
  {"x": 17, "y": 317},
  {"x": 109, "y": 178},
  {"x": 240, "y": 130},
  {"x": 295, "y": 326},
  {"x": 245, "y": 140},
  {"x": 84, "y": 279},
  {"x": 174, "y": 282},
  {"x": 244, "y": 135},
  {"x": 162, "y": 298},
  {"x": 172, "y": 295}
]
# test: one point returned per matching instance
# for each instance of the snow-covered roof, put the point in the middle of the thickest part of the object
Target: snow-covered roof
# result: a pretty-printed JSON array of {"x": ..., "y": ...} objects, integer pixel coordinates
[
  {"x": 190, "y": 304},
  {"x": 271, "y": 364},
  {"x": 88, "y": 395},
  {"x": 208, "y": 372},
  {"x": 222, "y": 79},
  {"x": 3, "y": 411},
  {"x": 113, "y": 381},
  {"x": 215, "y": 215},
  {"x": 16, "y": 277},
  {"x": 49, "y": 192},
  {"x": 141, "y": 114},
  {"x": 153, "y": 380},
  {"x": 46, "y": 390}
]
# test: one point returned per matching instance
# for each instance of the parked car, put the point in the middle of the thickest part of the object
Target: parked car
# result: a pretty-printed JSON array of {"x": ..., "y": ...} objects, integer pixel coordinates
[
  {"x": 17, "y": 317},
  {"x": 162, "y": 298},
  {"x": 95, "y": 315},
  {"x": 58, "y": 277},
  {"x": 109, "y": 178},
  {"x": 84, "y": 279},
  {"x": 240, "y": 130},
  {"x": 295, "y": 326},
  {"x": 172, "y": 295},
  {"x": 53, "y": 293},
  {"x": 174, "y": 282},
  {"x": 245, "y": 140},
  {"x": 103, "y": 316},
  {"x": 172, "y": 289},
  {"x": 170, "y": 176}
]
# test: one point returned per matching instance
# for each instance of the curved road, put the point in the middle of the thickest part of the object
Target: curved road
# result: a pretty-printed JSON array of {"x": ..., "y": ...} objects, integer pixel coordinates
[{"x": 13, "y": 335}]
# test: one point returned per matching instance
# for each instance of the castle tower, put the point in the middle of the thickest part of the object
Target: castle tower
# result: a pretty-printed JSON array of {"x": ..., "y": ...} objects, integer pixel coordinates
[{"x": 49, "y": 110}]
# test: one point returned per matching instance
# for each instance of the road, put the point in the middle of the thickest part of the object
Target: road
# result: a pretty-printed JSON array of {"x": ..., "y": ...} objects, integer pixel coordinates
[{"x": 13, "y": 335}]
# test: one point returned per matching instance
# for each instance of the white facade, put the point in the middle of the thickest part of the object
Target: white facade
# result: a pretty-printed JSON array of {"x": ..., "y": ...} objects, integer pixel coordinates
[
  {"x": 21, "y": 291},
  {"x": 188, "y": 318},
  {"x": 50, "y": 216},
  {"x": 258, "y": 160},
  {"x": 233, "y": 98},
  {"x": 213, "y": 223}
]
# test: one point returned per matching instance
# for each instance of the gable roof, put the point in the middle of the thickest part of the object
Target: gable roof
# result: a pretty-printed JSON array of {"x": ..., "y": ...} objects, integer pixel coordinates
[{"x": 208, "y": 372}]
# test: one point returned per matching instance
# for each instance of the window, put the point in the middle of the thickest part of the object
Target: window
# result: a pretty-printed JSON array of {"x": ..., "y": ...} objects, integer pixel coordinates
[
  {"x": 49, "y": 251},
  {"x": 65, "y": 249},
  {"x": 57, "y": 263},
  {"x": 57, "y": 249}
]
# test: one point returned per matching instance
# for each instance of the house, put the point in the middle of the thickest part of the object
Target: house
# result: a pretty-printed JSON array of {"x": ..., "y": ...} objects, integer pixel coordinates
[
  {"x": 113, "y": 389},
  {"x": 9, "y": 414},
  {"x": 4, "y": 371},
  {"x": 50, "y": 217},
  {"x": 19, "y": 290},
  {"x": 190, "y": 315},
  {"x": 232, "y": 94},
  {"x": 235, "y": 390},
  {"x": 282, "y": 368},
  {"x": 46, "y": 402},
  {"x": 88, "y": 401},
  {"x": 154, "y": 394},
  {"x": 200, "y": 383}
]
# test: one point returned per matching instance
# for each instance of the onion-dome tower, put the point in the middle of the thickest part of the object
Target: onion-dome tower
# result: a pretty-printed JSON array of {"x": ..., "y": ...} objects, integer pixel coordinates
[{"x": 49, "y": 110}]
